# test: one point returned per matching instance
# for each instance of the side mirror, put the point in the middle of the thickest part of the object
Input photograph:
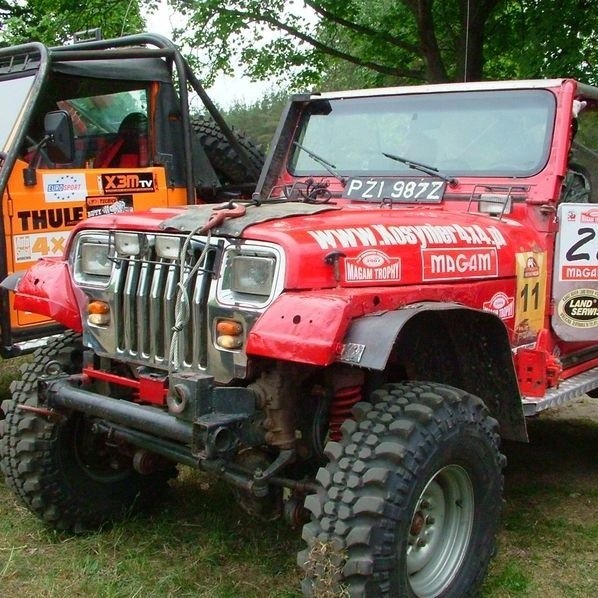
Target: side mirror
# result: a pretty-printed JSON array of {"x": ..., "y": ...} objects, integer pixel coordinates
[{"x": 58, "y": 128}]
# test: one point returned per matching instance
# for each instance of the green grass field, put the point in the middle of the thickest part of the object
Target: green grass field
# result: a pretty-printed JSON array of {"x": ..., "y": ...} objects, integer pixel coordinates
[{"x": 198, "y": 542}]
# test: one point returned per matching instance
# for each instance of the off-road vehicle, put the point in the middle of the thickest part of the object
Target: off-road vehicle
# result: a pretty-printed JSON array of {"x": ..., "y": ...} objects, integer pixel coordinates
[
  {"x": 102, "y": 127},
  {"x": 416, "y": 273}
]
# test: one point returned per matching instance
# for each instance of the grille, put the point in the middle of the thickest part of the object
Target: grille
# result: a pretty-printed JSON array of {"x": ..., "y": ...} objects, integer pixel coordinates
[{"x": 145, "y": 296}]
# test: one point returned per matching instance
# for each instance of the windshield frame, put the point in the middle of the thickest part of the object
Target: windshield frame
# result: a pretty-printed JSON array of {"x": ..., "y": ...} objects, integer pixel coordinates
[{"x": 372, "y": 125}]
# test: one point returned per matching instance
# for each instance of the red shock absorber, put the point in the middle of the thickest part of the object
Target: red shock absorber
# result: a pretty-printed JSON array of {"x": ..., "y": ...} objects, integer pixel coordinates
[{"x": 340, "y": 409}]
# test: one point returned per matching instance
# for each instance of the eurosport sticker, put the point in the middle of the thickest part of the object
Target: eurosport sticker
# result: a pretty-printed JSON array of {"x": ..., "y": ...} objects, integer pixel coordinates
[
  {"x": 424, "y": 235},
  {"x": 64, "y": 187},
  {"x": 579, "y": 308},
  {"x": 372, "y": 266},
  {"x": 455, "y": 263},
  {"x": 106, "y": 204},
  {"x": 500, "y": 304},
  {"x": 28, "y": 248},
  {"x": 127, "y": 182}
]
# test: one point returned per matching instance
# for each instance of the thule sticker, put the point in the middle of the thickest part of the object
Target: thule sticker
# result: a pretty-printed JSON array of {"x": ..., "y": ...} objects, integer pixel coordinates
[
  {"x": 424, "y": 235},
  {"x": 455, "y": 263},
  {"x": 500, "y": 304},
  {"x": 64, "y": 187},
  {"x": 372, "y": 266},
  {"x": 127, "y": 182},
  {"x": 579, "y": 308}
]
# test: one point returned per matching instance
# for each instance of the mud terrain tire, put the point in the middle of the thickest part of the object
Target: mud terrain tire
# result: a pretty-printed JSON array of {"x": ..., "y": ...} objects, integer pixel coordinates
[
  {"x": 225, "y": 161},
  {"x": 411, "y": 497},
  {"x": 47, "y": 463}
]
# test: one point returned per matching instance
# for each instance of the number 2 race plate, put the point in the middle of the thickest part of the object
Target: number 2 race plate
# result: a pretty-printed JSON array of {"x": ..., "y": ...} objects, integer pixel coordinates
[{"x": 406, "y": 190}]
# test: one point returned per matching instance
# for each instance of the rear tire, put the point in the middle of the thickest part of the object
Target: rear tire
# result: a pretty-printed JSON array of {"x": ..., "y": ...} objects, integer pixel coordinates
[
  {"x": 411, "y": 498},
  {"x": 57, "y": 467},
  {"x": 223, "y": 157}
]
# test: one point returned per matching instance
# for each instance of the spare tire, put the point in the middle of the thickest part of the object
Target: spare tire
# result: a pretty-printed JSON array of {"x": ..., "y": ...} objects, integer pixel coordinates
[{"x": 229, "y": 167}]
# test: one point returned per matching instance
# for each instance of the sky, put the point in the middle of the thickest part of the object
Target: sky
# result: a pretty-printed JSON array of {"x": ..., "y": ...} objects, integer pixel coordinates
[{"x": 227, "y": 91}]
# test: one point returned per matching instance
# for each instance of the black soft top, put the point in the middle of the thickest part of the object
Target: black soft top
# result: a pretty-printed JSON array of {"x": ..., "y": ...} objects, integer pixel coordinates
[{"x": 131, "y": 69}]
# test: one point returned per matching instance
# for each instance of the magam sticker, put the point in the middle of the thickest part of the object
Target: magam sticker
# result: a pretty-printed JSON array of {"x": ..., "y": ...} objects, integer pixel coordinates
[
  {"x": 28, "y": 248},
  {"x": 579, "y": 308},
  {"x": 64, "y": 187},
  {"x": 105, "y": 204},
  {"x": 456, "y": 263},
  {"x": 372, "y": 266},
  {"x": 500, "y": 304}
]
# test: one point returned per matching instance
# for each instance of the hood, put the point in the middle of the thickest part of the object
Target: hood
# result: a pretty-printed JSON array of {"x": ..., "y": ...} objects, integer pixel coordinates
[{"x": 384, "y": 246}]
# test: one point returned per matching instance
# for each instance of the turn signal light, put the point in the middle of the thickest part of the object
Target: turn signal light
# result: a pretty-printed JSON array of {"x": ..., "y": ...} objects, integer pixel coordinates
[
  {"x": 99, "y": 313},
  {"x": 229, "y": 334},
  {"x": 226, "y": 341},
  {"x": 229, "y": 327}
]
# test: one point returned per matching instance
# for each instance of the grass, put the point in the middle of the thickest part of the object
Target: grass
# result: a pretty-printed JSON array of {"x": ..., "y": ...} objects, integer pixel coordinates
[{"x": 200, "y": 543}]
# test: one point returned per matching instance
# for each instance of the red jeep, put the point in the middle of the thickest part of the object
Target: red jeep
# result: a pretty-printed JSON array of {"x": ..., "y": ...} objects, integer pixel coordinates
[{"x": 416, "y": 273}]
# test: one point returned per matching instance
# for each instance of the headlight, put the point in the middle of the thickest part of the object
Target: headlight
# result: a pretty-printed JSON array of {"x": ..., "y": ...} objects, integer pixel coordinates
[
  {"x": 252, "y": 275},
  {"x": 93, "y": 263}
]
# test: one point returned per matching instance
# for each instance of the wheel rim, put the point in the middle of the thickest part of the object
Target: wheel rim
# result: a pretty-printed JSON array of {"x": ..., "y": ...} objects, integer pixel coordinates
[
  {"x": 101, "y": 463},
  {"x": 440, "y": 531}
]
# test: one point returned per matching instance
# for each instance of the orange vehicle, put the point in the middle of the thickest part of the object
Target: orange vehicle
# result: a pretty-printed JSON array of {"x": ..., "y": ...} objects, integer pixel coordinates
[{"x": 97, "y": 128}]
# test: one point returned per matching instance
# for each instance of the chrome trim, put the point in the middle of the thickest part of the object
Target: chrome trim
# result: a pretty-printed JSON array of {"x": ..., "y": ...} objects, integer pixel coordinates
[{"x": 142, "y": 295}]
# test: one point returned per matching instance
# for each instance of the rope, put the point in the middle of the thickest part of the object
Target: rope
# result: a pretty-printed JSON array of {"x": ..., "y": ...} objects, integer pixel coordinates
[{"x": 182, "y": 311}]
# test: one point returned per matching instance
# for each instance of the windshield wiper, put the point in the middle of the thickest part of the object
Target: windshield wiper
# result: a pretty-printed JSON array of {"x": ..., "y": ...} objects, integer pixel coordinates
[
  {"x": 327, "y": 165},
  {"x": 452, "y": 181}
]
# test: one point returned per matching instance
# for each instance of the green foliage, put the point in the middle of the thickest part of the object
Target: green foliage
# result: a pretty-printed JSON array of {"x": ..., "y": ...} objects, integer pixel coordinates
[
  {"x": 258, "y": 120},
  {"x": 542, "y": 39},
  {"x": 376, "y": 42},
  {"x": 53, "y": 22}
]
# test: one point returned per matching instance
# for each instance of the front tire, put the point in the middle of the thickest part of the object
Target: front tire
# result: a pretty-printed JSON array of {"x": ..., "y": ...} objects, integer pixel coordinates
[
  {"x": 57, "y": 466},
  {"x": 411, "y": 497}
]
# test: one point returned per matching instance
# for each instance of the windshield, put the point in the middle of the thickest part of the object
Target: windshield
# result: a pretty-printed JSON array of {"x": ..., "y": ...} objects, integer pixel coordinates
[
  {"x": 476, "y": 133},
  {"x": 13, "y": 93},
  {"x": 104, "y": 113}
]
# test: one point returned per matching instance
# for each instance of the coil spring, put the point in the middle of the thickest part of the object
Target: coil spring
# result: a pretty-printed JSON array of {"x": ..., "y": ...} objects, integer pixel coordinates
[{"x": 340, "y": 409}]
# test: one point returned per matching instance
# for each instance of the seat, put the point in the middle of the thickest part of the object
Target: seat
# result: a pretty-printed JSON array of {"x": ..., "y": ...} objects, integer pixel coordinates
[{"x": 129, "y": 148}]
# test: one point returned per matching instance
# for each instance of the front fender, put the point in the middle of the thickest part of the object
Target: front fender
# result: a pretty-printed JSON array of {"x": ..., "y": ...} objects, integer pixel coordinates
[
  {"x": 47, "y": 289},
  {"x": 301, "y": 327}
]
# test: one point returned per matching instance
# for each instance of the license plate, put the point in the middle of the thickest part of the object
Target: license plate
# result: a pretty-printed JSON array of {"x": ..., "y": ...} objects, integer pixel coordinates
[{"x": 405, "y": 190}]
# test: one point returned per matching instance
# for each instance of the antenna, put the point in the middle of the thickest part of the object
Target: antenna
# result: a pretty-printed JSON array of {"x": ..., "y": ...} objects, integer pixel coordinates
[{"x": 466, "y": 43}]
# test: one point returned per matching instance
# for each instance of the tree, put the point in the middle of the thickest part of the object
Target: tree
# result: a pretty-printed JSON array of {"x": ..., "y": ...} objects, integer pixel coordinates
[
  {"x": 380, "y": 42},
  {"x": 54, "y": 22}
]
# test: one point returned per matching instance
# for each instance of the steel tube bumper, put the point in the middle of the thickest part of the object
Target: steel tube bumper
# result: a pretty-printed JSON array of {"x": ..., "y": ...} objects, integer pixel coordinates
[{"x": 61, "y": 394}]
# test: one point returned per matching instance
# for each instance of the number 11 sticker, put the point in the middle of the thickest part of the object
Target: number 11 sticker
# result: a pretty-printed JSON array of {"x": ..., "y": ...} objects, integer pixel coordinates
[{"x": 531, "y": 295}]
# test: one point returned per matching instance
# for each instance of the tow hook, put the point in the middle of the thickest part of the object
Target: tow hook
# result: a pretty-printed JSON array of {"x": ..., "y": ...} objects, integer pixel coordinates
[{"x": 221, "y": 212}]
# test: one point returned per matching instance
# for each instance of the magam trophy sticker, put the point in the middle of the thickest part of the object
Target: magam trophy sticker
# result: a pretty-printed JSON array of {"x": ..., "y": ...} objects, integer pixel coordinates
[
  {"x": 372, "y": 266},
  {"x": 64, "y": 187},
  {"x": 579, "y": 308}
]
